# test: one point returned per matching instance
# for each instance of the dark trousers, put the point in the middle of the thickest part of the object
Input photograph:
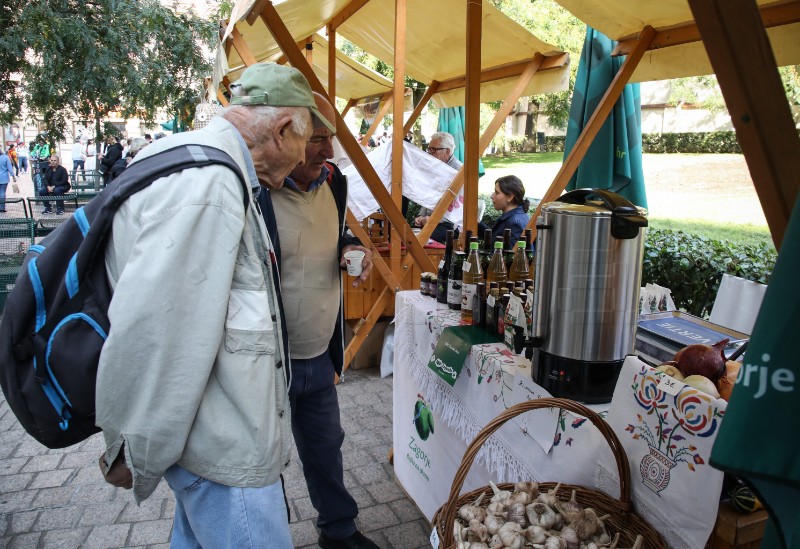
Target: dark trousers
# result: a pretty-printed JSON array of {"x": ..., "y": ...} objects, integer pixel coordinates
[
  {"x": 57, "y": 191},
  {"x": 318, "y": 434}
]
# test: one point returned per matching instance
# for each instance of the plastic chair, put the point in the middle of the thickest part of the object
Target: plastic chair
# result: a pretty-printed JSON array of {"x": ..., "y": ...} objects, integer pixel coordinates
[{"x": 737, "y": 303}]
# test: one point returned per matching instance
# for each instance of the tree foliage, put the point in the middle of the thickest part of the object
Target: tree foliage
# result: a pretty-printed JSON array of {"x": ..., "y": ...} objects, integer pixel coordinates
[{"x": 87, "y": 58}]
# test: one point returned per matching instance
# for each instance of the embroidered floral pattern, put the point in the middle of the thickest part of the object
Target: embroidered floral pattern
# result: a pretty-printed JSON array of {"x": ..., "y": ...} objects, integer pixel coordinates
[{"x": 687, "y": 414}]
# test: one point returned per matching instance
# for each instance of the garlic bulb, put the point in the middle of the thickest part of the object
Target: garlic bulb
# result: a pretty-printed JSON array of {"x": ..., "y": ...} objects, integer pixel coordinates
[
  {"x": 570, "y": 537},
  {"x": 495, "y": 542},
  {"x": 499, "y": 495},
  {"x": 522, "y": 497},
  {"x": 536, "y": 534},
  {"x": 470, "y": 512},
  {"x": 477, "y": 531},
  {"x": 555, "y": 542},
  {"x": 510, "y": 535},
  {"x": 516, "y": 513},
  {"x": 570, "y": 509},
  {"x": 541, "y": 514},
  {"x": 586, "y": 524},
  {"x": 550, "y": 498},
  {"x": 530, "y": 488},
  {"x": 497, "y": 508},
  {"x": 493, "y": 524}
]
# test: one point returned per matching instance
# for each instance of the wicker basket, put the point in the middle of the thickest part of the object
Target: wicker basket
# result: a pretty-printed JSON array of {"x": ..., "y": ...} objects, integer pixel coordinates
[{"x": 622, "y": 519}]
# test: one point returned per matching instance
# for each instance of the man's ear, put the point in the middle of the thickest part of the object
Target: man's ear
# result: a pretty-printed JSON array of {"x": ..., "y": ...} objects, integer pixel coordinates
[{"x": 281, "y": 131}]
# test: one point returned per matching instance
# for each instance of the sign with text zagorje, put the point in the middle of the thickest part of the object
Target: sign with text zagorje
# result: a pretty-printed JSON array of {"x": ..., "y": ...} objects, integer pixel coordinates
[{"x": 452, "y": 349}]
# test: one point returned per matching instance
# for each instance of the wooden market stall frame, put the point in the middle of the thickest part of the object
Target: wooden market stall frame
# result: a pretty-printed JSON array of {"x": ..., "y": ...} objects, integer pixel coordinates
[{"x": 396, "y": 272}]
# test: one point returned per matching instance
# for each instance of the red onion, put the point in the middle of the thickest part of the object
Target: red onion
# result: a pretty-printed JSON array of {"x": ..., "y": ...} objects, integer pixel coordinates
[{"x": 702, "y": 360}]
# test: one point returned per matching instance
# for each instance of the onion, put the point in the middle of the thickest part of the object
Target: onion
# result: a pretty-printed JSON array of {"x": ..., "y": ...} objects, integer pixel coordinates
[
  {"x": 702, "y": 383},
  {"x": 726, "y": 382},
  {"x": 702, "y": 360}
]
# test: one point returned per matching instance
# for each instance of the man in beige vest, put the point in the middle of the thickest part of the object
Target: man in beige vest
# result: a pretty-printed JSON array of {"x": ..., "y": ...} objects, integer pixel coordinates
[{"x": 310, "y": 213}]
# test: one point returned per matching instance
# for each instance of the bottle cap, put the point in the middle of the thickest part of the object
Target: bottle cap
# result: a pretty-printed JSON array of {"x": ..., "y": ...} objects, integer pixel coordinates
[
  {"x": 498, "y": 245},
  {"x": 521, "y": 244},
  {"x": 473, "y": 245}
]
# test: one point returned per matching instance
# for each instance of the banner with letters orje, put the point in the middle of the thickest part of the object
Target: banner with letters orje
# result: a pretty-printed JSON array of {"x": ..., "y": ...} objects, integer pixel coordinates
[{"x": 758, "y": 439}]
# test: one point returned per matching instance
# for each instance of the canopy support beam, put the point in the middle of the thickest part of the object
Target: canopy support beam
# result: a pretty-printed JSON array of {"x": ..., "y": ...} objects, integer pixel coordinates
[
  {"x": 241, "y": 47},
  {"x": 747, "y": 72},
  {"x": 400, "y": 29},
  {"x": 594, "y": 124},
  {"x": 505, "y": 71},
  {"x": 346, "y": 13},
  {"x": 771, "y": 16},
  {"x": 472, "y": 120},
  {"x": 332, "y": 64},
  {"x": 383, "y": 110}
]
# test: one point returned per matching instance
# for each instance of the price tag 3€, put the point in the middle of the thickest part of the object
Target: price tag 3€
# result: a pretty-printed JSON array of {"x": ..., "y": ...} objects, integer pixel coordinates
[{"x": 670, "y": 385}]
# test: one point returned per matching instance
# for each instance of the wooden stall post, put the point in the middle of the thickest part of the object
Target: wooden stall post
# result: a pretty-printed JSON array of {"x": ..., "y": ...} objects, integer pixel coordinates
[{"x": 472, "y": 123}]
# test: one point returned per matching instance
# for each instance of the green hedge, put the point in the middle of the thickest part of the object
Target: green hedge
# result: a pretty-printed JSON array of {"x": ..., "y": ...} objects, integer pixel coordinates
[
  {"x": 690, "y": 142},
  {"x": 696, "y": 142},
  {"x": 692, "y": 266}
]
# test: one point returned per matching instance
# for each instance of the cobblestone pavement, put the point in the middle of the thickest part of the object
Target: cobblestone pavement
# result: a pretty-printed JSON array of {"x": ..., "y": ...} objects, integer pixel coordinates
[{"x": 58, "y": 499}]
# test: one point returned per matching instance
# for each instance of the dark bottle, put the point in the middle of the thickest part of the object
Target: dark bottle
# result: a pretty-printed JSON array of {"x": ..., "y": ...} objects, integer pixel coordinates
[
  {"x": 486, "y": 250},
  {"x": 529, "y": 245},
  {"x": 502, "y": 305},
  {"x": 454, "y": 281},
  {"x": 444, "y": 269},
  {"x": 467, "y": 239},
  {"x": 471, "y": 275},
  {"x": 508, "y": 248},
  {"x": 479, "y": 305},
  {"x": 491, "y": 299}
]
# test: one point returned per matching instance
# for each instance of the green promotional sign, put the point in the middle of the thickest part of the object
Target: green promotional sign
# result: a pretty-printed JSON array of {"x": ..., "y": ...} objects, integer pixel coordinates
[
  {"x": 758, "y": 438},
  {"x": 453, "y": 347}
]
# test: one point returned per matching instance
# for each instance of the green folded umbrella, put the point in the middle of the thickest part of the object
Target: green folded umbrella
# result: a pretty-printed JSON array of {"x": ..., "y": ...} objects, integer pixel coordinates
[
  {"x": 614, "y": 159},
  {"x": 758, "y": 437}
]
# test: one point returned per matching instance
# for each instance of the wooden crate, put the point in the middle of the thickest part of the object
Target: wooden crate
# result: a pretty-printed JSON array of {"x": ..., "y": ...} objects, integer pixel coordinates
[
  {"x": 359, "y": 301},
  {"x": 733, "y": 529}
]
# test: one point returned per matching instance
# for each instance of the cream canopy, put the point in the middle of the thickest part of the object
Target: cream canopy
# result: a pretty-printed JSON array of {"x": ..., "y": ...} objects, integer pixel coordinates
[
  {"x": 624, "y": 20},
  {"x": 435, "y": 46}
]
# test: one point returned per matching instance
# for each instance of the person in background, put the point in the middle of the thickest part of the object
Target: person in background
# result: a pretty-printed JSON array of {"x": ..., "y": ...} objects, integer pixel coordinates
[
  {"x": 12, "y": 154},
  {"x": 91, "y": 155},
  {"x": 148, "y": 137},
  {"x": 22, "y": 154},
  {"x": 6, "y": 174},
  {"x": 112, "y": 153},
  {"x": 204, "y": 404},
  {"x": 310, "y": 212},
  {"x": 136, "y": 145},
  {"x": 442, "y": 146},
  {"x": 56, "y": 183},
  {"x": 78, "y": 159},
  {"x": 509, "y": 198}
]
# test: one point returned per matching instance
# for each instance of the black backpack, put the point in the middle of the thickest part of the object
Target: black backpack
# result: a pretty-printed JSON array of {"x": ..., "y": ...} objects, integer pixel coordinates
[{"x": 55, "y": 320}]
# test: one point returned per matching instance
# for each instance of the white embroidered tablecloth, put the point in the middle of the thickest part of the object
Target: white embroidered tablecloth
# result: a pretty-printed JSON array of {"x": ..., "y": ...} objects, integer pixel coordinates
[
  {"x": 668, "y": 440},
  {"x": 543, "y": 445}
]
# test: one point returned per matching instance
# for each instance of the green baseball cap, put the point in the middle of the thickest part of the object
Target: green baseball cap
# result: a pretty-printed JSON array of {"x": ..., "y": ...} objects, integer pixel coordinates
[{"x": 275, "y": 86}]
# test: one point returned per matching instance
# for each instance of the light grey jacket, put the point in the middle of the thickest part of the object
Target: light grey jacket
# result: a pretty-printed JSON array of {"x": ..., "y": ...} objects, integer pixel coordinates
[{"x": 191, "y": 371}]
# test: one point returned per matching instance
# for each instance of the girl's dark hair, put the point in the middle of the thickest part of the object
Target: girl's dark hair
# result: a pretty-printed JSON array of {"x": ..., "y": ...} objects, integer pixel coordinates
[{"x": 511, "y": 185}]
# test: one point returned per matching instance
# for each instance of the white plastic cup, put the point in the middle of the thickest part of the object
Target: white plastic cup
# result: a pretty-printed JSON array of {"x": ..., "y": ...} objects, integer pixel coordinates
[{"x": 354, "y": 258}]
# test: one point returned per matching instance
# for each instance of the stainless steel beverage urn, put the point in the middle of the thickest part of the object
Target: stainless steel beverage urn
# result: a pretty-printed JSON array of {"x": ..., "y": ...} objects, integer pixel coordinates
[{"x": 590, "y": 244}]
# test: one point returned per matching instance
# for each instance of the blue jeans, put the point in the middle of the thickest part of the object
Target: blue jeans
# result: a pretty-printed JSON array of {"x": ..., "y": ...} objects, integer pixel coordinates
[
  {"x": 75, "y": 165},
  {"x": 209, "y": 514},
  {"x": 3, "y": 187},
  {"x": 318, "y": 435},
  {"x": 23, "y": 163}
]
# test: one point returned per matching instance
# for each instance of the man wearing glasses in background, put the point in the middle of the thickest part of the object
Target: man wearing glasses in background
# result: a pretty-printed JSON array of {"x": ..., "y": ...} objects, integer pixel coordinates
[
  {"x": 310, "y": 215},
  {"x": 441, "y": 146}
]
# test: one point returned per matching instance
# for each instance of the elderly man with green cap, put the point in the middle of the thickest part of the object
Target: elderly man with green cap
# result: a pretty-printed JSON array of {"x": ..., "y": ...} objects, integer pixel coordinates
[{"x": 192, "y": 383}]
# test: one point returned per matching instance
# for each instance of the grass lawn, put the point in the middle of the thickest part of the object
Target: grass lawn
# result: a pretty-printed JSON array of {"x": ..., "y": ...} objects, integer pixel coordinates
[{"x": 674, "y": 183}]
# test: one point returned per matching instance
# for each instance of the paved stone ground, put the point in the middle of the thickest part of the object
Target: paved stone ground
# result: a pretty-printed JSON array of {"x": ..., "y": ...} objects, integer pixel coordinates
[{"x": 58, "y": 499}]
